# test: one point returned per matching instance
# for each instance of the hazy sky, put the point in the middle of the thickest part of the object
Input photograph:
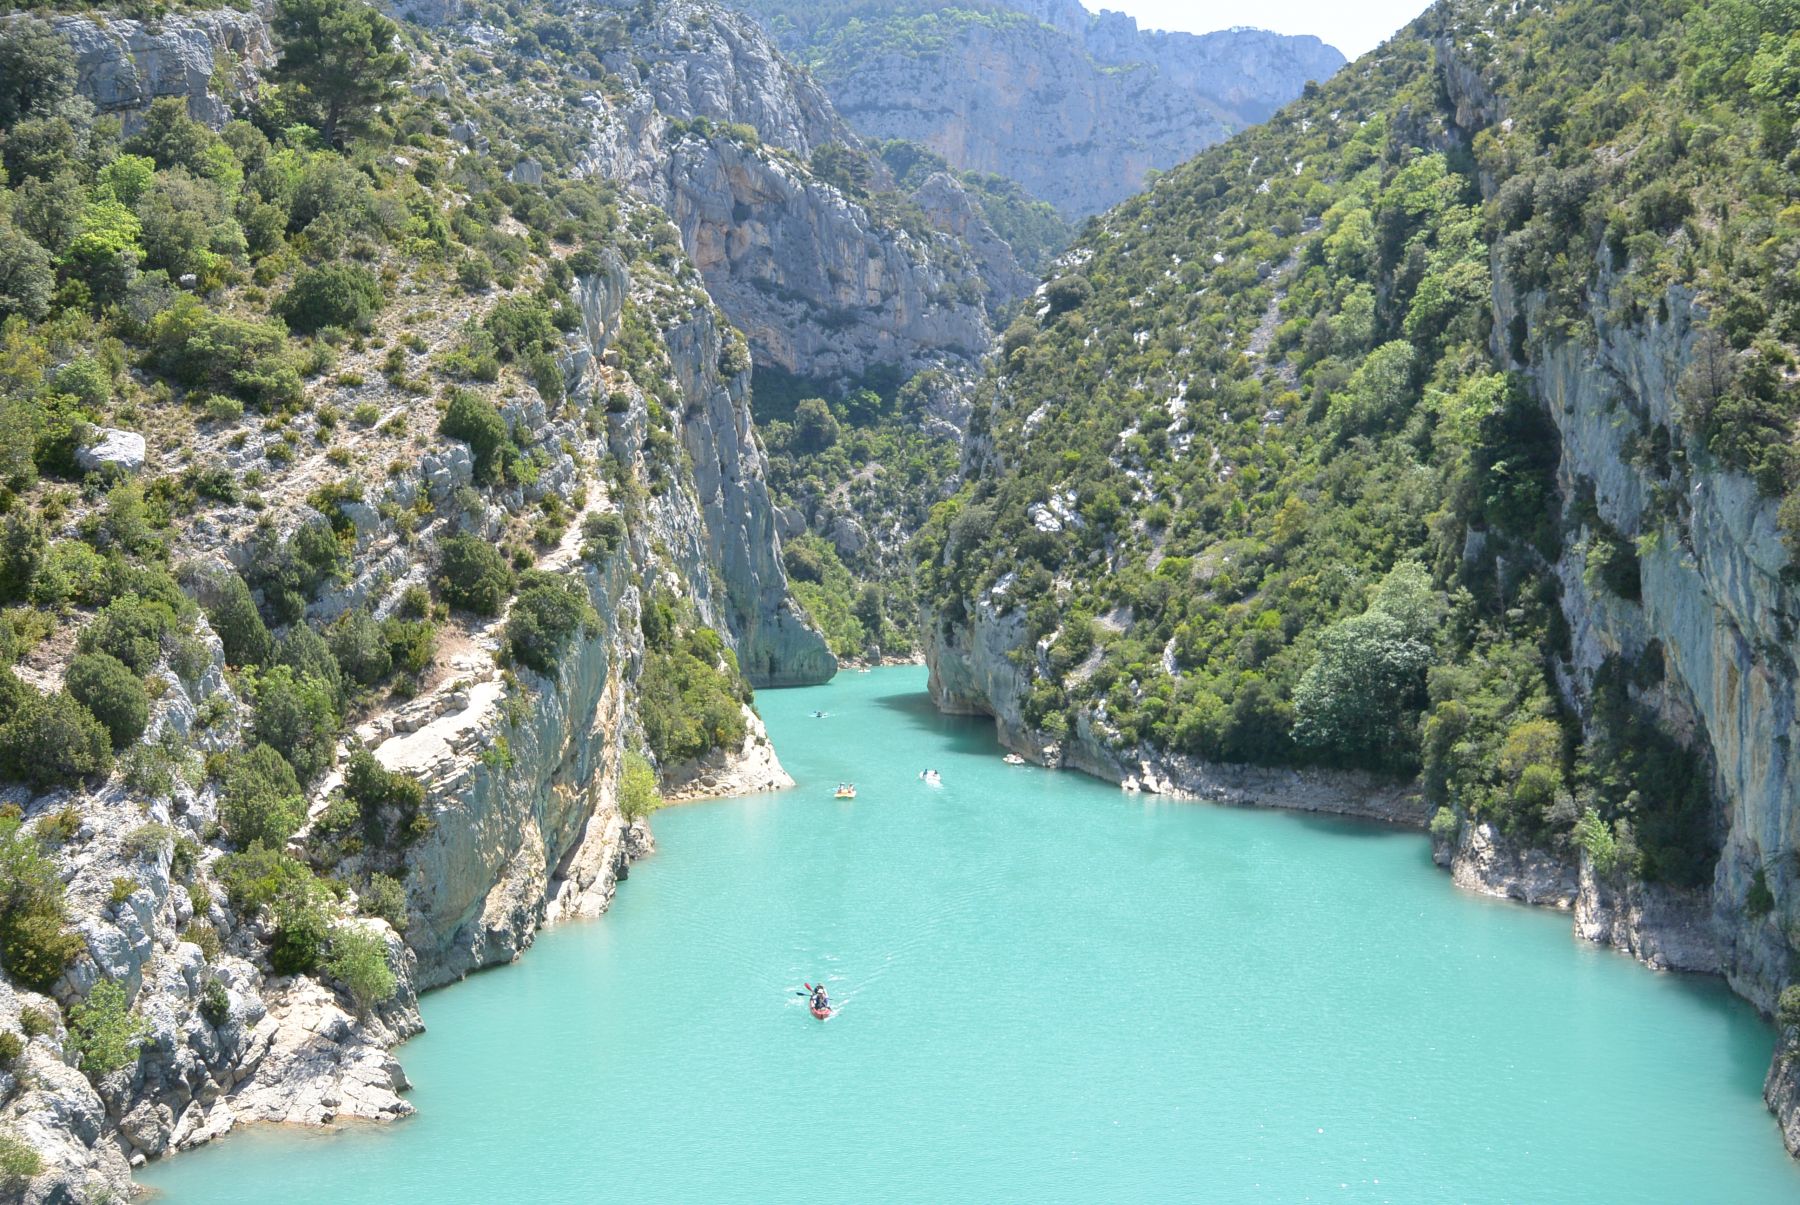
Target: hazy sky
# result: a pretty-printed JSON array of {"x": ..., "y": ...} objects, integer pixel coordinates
[{"x": 1353, "y": 26}]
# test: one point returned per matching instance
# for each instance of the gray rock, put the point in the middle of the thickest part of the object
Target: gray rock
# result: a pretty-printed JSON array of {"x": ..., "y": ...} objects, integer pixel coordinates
[
  {"x": 113, "y": 450},
  {"x": 122, "y": 65}
]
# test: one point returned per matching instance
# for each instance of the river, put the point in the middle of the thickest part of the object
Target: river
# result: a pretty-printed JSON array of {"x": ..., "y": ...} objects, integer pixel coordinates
[{"x": 1048, "y": 990}]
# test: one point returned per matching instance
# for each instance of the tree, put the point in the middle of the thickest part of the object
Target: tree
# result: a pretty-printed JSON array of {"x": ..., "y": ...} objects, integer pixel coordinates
[
  {"x": 104, "y": 1034},
  {"x": 475, "y": 577},
  {"x": 297, "y": 715},
  {"x": 638, "y": 796},
  {"x": 26, "y": 279},
  {"x": 337, "y": 63},
  {"x": 359, "y": 960},
  {"x": 474, "y": 420},
  {"x": 262, "y": 801},
  {"x": 22, "y": 545},
  {"x": 51, "y": 740},
  {"x": 815, "y": 429},
  {"x": 240, "y": 626},
  {"x": 105, "y": 686},
  {"x": 37, "y": 69},
  {"x": 337, "y": 294},
  {"x": 546, "y": 614},
  {"x": 35, "y": 943}
]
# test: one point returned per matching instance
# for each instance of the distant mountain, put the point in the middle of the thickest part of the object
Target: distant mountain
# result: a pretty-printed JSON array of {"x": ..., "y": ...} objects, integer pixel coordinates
[{"x": 1076, "y": 107}]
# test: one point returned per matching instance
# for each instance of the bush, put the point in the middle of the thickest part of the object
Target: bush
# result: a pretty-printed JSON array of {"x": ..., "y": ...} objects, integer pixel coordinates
[
  {"x": 18, "y": 1162},
  {"x": 1787, "y": 1008},
  {"x": 51, "y": 740},
  {"x": 240, "y": 626},
  {"x": 520, "y": 325},
  {"x": 36, "y": 1022},
  {"x": 474, "y": 420},
  {"x": 22, "y": 547},
  {"x": 547, "y": 613},
  {"x": 262, "y": 802},
  {"x": 302, "y": 929},
  {"x": 359, "y": 960},
  {"x": 104, "y": 1034},
  {"x": 688, "y": 703},
  {"x": 35, "y": 944},
  {"x": 297, "y": 715},
  {"x": 638, "y": 796},
  {"x": 215, "y": 1003},
  {"x": 386, "y": 800},
  {"x": 384, "y": 896},
  {"x": 11, "y": 1047},
  {"x": 131, "y": 629},
  {"x": 102, "y": 683},
  {"x": 335, "y": 294},
  {"x": 257, "y": 877},
  {"x": 474, "y": 576},
  {"x": 361, "y": 648},
  {"x": 203, "y": 349}
]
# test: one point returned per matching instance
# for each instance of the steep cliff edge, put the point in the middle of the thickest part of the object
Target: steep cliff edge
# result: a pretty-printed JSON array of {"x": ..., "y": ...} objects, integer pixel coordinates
[
  {"x": 1075, "y": 107},
  {"x": 594, "y": 428},
  {"x": 1360, "y": 443}
]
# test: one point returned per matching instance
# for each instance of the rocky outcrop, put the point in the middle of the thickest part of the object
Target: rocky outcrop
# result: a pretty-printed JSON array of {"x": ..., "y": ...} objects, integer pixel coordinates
[
  {"x": 975, "y": 669},
  {"x": 208, "y": 58},
  {"x": 948, "y": 207},
  {"x": 1076, "y": 108},
  {"x": 719, "y": 134}
]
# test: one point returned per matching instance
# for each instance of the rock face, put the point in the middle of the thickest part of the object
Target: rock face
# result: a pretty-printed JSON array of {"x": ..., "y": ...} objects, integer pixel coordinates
[
  {"x": 719, "y": 134},
  {"x": 112, "y": 451},
  {"x": 974, "y": 672},
  {"x": 207, "y": 57},
  {"x": 1075, "y": 107}
]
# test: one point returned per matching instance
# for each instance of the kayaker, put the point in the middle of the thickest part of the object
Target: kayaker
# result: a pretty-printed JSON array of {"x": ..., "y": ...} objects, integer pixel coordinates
[{"x": 820, "y": 1001}]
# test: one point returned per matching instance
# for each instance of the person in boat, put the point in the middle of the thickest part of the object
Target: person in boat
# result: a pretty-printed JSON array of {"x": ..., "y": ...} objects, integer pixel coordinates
[{"x": 820, "y": 1001}]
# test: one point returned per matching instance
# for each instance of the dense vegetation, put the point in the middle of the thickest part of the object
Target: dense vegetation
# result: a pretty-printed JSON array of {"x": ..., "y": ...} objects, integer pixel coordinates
[{"x": 1267, "y": 484}]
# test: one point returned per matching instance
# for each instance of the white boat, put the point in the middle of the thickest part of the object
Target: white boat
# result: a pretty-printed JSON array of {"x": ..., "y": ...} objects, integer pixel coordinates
[
  {"x": 931, "y": 778},
  {"x": 1013, "y": 759},
  {"x": 846, "y": 790}
]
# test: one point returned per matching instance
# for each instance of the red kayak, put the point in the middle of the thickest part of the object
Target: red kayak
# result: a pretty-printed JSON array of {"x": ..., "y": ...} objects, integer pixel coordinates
[{"x": 820, "y": 1013}]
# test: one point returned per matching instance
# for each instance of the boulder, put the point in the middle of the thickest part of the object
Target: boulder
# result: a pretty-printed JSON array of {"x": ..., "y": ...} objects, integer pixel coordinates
[{"x": 112, "y": 451}]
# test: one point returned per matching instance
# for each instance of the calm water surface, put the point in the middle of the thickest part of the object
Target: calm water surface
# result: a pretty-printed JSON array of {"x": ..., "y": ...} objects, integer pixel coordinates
[{"x": 1049, "y": 991}]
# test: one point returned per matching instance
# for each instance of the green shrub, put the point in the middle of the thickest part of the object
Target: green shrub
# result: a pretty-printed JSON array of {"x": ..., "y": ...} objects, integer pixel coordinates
[
  {"x": 36, "y": 1022},
  {"x": 302, "y": 929},
  {"x": 1787, "y": 1008},
  {"x": 520, "y": 325},
  {"x": 359, "y": 960},
  {"x": 297, "y": 716},
  {"x": 22, "y": 547},
  {"x": 690, "y": 699},
  {"x": 51, "y": 740},
  {"x": 387, "y": 801},
  {"x": 59, "y": 827},
  {"x": 11, "y": 1047},
  {"x": 547, "y": 613},
  {"x": 222, "y": 354},
  {"x": 123, "y": 888},
  {"x": 384, "y": 896},
  {"x": 361, "y": 648},
  {"x": 254, "y": 878},
  {"x": 1759, "y": 901},
  {"x": 18, "y": 1162},
  {"x": 262, "y": 802},
  {"x": 335, "y": 294},
  {"x": 215, "y": 1003},
  {"x": 473, "y": 575},
  {"x": 239, "y": 625},
  {"x": 131, "y": 629},
  {"x": 475, "y": 420},
  {"x": 309, "y": 655},
  {"x": 104, "y": 1034},
  {"x": 102, "y": 683},
  {"x": 638, "y": 796}
]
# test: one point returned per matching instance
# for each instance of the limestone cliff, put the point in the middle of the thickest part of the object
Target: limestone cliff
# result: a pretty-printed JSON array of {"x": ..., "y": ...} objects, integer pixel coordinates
[
  {"x": 826, "y": 280},
  {"x": 1075, "y": 107}
]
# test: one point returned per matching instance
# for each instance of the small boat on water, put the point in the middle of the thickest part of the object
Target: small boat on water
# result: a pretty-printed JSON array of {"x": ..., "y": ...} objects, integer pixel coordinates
[
  {"x": 931, "y": 778},
  {"x": 1013, "y": 759},
  {"x": 819, "y": 715},
  {"x": 846, "y": 790}
]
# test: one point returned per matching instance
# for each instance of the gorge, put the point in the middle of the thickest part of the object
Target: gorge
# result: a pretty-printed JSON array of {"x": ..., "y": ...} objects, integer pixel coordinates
[{"x": 419, "y": 461}]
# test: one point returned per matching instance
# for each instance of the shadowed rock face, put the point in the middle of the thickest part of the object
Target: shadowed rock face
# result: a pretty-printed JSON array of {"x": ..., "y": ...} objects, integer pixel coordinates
[
  {"x": 1075, "y": 107},
  {"x": 821, "y": 284},
  {"x": 123, "y": 65}
]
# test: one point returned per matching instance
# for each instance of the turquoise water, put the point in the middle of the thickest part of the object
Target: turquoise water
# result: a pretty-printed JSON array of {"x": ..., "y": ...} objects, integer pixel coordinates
[{"x": 1050, "y": 991}]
